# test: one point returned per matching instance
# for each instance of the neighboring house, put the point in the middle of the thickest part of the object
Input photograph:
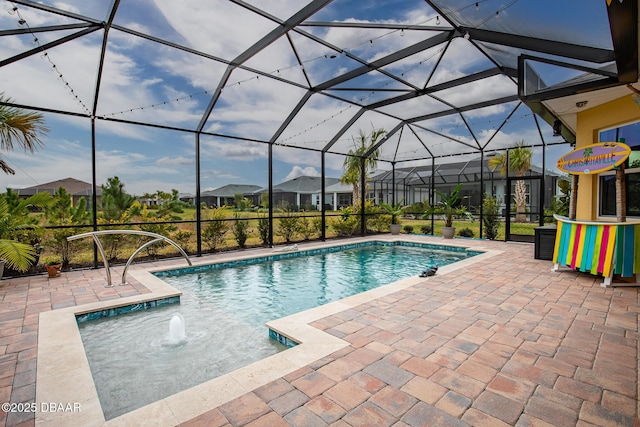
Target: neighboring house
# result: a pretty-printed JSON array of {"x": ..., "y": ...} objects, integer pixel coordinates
[
  {"x": 73, "y": 186},
  {"x": 187, "y": 198},
  {"x": 302, "y": 192},
  {"x": 338, "y": 196},
  {"x": 158, "y": 200},
  {"x": 225, "y": 195},
  {"x": 413, "y": 184},
  {"x": 149, "y": 201}
]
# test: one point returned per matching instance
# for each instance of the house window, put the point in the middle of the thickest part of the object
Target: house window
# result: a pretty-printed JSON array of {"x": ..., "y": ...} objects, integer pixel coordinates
[
  {"x": 607, "y": 180},
  {"x": 344, "y": 200}
]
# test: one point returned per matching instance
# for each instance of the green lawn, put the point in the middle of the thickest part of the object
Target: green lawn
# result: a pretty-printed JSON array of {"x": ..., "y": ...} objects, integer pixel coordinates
[{"x": 516, "y": 228}]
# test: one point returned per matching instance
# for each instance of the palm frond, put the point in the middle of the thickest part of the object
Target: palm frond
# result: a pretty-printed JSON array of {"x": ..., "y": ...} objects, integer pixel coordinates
[
  {"x": 20, "y": 128},
  {"x": 39, "y": 200},
  {"x": 18, "y": 256},
  {"x": 518, "y": 161},
  {"x": 6, "y": 168}
]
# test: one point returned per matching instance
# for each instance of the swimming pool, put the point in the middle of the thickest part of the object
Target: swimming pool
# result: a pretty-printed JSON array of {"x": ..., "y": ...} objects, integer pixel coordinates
[{"x": 225, "y": 307}]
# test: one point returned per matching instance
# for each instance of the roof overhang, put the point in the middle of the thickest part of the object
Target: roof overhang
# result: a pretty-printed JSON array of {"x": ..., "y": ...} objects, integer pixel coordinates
[{"x": 564, "y": 103}]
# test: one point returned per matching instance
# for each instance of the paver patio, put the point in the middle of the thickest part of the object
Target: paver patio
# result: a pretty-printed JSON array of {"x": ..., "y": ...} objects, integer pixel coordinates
[{"x": 502, "y": 342}]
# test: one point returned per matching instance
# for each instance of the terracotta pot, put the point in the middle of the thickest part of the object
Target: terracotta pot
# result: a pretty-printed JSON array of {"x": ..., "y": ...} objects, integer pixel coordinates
[{"x": 54, "y": 270}]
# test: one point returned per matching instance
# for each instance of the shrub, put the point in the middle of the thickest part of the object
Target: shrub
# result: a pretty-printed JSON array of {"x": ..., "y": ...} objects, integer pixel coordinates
[
  {"x": 408, "y": 229},
  {"x": 417, "y": 208},
  {"x": 305, "y": 227},
  {"x": 215, "y": 229},
  {"x": 490, "y": 217},
  {"x": 155, "y": 223},
  {"x": 346, "y": 223},
  {"x": 425, "y": 229},
  {"x": 240, "y": 231},
  {"x": 62, "y": 212},
  {"x": 317, "y": 223},
  {"x": 283, "y": 206},
  {"x": 548, "y": 215},
  {"x": 288, "y": 225},
  {"x": 559, "y": 204},
  {"x": 241, "y": 203},
  {"x": 378, "y": 223},
  {"x": 182, "y": 238},
  {"x": 375, "y": 220},
  {"x": 307, "y": 206},
  {"x": 112, "y": 243},
  {"x": 466, "y": 232},
  {"x": 263, "y": 229}
]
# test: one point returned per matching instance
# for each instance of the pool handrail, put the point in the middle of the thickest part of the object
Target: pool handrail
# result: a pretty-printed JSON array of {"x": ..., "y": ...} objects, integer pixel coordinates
[{"x": 105, "y": 261}]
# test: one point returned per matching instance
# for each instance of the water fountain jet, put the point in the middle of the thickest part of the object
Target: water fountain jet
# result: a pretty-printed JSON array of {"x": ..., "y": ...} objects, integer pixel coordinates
[{"x": 176, "y": 329}]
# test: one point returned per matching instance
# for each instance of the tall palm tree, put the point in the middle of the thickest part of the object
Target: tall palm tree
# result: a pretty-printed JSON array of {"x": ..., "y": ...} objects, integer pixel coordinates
[
  {"x": 20, "y": 128},
  {"x": 353, "y": 167},
  {"x": 519, "y": 162}
]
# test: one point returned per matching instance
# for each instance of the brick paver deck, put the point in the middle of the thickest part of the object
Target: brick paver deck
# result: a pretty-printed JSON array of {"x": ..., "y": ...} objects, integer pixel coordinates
[{"x": 503, "y": 342}]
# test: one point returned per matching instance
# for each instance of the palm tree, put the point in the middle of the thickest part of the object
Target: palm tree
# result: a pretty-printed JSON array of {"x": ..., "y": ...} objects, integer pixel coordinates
[
  {"x": 353, "y": 167},
  {"x": 20, "y": 128},
  {"x": 519, "y": 162}
]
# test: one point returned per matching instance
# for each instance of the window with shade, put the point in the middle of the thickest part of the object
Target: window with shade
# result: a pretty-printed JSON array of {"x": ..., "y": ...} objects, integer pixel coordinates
[{"x": 630, "y": 135}]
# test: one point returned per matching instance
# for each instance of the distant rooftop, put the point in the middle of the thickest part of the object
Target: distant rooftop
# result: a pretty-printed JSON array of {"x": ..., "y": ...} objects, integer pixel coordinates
[
  {"x": 73, "y": 186},
  {"x": 304, "y": 184},
  {"x": 231, "y": 190}
]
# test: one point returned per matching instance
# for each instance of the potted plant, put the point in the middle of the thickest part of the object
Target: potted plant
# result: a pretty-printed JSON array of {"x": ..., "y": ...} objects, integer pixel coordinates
[
  {"x": 449, "y": 207},
  {"x": 395, "y": 211},
  {"x": 53, "y": 268}
]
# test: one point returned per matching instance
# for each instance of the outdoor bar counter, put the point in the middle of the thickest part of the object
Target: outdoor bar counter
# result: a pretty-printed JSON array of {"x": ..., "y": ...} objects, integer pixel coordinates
[{"x": 598, "y": 247}]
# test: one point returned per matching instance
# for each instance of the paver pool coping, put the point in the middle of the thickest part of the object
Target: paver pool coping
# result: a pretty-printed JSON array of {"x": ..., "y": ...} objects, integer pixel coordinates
[{"x": 64, "y": 376}]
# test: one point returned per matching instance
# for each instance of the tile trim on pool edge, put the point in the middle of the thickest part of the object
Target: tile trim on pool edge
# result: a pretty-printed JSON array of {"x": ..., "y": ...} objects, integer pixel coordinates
[
  {"x": 197, "y": 268},
  {"x": 64, "y": 376},
  {"x": 125, "y": 309}
]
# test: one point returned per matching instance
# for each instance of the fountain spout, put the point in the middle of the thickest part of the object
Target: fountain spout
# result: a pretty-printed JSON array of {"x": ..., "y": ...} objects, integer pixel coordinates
[{"x": 176, "y": 328}]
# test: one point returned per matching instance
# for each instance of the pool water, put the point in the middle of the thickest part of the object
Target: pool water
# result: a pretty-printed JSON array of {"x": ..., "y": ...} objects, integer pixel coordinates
[{"x": 134, "y": 362}]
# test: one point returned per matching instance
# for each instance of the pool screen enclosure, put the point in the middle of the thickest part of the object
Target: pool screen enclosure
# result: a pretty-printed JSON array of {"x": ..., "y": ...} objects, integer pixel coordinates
[{"x": 201, "y": 82}]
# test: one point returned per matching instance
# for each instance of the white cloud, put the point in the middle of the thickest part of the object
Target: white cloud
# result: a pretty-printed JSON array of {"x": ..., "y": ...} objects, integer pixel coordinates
[
  {"x": 508, "y": 139},
  {"x": 487, "y": 89},
  {"x": 216, "y": 33},
  {"x": 297, "y": 171},
  {"x": 234, "y": 150}
]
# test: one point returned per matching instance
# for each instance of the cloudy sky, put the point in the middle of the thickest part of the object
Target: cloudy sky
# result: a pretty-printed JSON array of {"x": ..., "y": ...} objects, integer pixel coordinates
[{"x": 148, "y": 82}]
